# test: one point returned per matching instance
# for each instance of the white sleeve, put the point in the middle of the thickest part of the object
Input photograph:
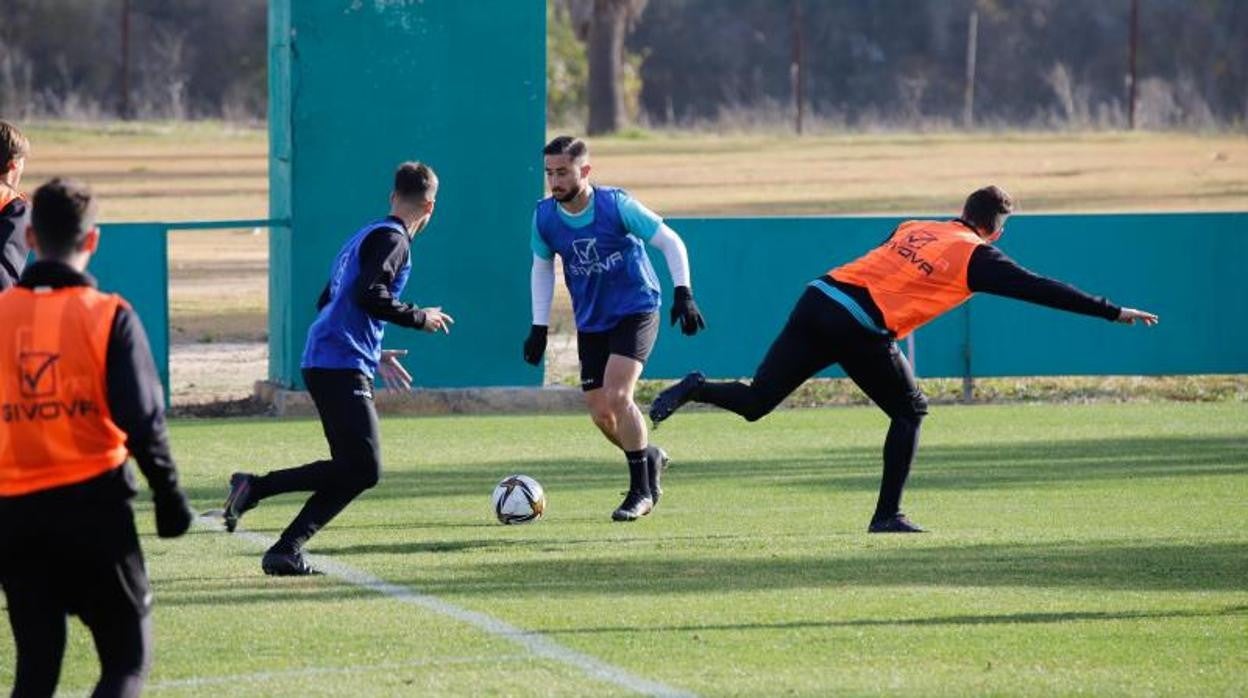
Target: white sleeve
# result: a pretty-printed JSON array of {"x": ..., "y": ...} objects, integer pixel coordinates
[
  {"x": 542, "y": 285},
  {"x": 673, "y": 248}
]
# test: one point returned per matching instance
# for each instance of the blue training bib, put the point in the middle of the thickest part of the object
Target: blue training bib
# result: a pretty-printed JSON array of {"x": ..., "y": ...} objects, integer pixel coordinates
[
  {"x": 608, "y": 273},
  {"x": 343, "y": 335}
]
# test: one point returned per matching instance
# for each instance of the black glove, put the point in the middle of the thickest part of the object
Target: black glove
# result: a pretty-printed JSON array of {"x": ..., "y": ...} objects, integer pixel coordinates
[
  {"x": 686, "y": 311},
  {"x": 535, "y": 344},
  {"x": 173, "y": 513}
]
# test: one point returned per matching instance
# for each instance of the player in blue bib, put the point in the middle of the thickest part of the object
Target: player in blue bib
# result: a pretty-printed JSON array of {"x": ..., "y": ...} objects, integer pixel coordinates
[
  {"x": 342, "y": 354},
  {"x": 600, "y": 233}
]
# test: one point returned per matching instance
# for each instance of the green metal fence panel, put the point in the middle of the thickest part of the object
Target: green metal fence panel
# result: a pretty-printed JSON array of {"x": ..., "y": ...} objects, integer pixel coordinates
[
  {"x": 747, "y": 273},
  {"x": 281, "y": 187},
  {"x": 368, "y": 85},
  {"x": 1182, "y": 266},
  {"x": 132, "y": 260}
]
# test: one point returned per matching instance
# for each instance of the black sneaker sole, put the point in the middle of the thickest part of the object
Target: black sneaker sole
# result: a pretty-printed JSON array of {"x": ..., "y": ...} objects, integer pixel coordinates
[
  {"x": 661, "y": 464},
  {"x": 240, "y": 488},
  {"x": 667, "y": 401},
  {"x": 285, "y": 568},
  {"x": 622, "y": 514}
]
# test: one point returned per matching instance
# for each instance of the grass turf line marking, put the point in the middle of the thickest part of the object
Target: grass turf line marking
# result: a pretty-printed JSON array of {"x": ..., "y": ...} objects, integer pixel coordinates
[
  {"x": 535, "y": 643},
  {"x": 265, "y": 676}
]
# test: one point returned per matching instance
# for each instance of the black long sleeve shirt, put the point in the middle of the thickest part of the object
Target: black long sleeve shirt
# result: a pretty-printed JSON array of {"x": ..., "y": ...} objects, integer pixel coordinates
[
  {"x": 383, "y": 253},
  {"x": 13, "y": 250},
  {"x": 135, "y": 395},
  {"x": 991, "y": 271}
]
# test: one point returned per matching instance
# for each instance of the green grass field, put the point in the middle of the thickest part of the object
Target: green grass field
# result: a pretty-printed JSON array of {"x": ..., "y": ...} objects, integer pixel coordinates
[{"x": 1076, "y": 550}]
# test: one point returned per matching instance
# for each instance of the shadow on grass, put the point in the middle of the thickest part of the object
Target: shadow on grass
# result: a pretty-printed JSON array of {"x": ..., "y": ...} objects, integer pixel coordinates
[
  {"x": 1106, "y": 566},
  {"x": 502, "y": 544},
  {"x": 1118, "y": 566},
  {"x": 1002, "y": 619},
  {"x": 990, "y": 466}
]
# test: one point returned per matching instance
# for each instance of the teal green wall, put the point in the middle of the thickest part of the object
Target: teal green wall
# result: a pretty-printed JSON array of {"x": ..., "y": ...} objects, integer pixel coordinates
[
  {"x": 747, "y": 273},
  {"x": 132, "y": 261},
  {"x": 359, "y": 87}
]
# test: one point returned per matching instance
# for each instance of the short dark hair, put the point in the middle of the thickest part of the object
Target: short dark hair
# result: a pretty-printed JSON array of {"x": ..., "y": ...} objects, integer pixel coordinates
[
  {"x": 62, "y": 212},
  {"x": 987, "y": 208},
  {"x": 571, "y": 146},
  {"x": 415, "y": 182},
  {"x": 13, "y": 144}
]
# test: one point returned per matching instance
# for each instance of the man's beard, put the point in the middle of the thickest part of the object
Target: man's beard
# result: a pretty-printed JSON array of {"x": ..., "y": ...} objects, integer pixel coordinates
[{"x": 569, "y": 196}]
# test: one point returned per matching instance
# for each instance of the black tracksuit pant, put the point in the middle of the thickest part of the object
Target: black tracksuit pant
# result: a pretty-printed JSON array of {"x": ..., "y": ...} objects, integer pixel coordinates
[
  {"x": 821, "y": 332},
  {"x": 344, "y": 399},
  {"x": 74, "y": 550}
]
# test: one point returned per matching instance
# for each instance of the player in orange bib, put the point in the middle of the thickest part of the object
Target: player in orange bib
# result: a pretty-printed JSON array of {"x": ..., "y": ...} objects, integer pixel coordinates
[
  {"x": 14, "y": 209},
  {"x": 79, "y": 394},
  {"x": 853, "y": 314}
]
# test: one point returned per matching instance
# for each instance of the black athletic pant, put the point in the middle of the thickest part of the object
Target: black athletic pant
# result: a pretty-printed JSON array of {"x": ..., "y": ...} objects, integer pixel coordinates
[
  {"x": 75, "y": 551},
  {"x": 819, "y": 333},
  {"x": 344, "y": 399}
]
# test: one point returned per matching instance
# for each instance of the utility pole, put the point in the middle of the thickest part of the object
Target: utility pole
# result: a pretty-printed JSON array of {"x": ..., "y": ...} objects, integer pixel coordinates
[
  {"x": 1135, "y": 38},
  {"x": 795, "y": 68},
  {"x": 125, "y": 60},
  {"x": 968, "y": 93}
]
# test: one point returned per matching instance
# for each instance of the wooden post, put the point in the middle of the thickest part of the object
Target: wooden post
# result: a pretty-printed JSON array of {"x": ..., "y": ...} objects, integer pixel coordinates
[
  {"x": 968, "y": 379},
  {"x": 1131, "y": 75},
  {"x": 126, "y": 112},
  {"x": 968, "y": 94},
  {"x": 795, "y": 68}
]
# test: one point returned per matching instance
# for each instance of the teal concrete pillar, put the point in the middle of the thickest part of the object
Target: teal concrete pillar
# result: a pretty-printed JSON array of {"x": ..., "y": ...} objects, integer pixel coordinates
[
  {"x": 356, "y": 87},
  {"x": 133, "y": 261}
]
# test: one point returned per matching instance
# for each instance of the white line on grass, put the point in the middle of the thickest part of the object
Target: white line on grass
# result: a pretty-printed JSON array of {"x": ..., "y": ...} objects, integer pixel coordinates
[
  {"x": 266, "y": 676},
  {"x": 535, "y": 643}
]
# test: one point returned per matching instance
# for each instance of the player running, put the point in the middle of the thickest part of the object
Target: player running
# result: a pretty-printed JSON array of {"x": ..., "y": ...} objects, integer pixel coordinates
[
  {"x": 342, "y": 353},
  {"x": 599, "y": 233},
  {"x": 79, "y": 393},
  {"x": 852, "y": 315},
  {"x": 14, "y": 210}
]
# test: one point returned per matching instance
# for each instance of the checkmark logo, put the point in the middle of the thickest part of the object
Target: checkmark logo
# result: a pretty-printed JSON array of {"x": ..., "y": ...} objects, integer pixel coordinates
[{"x": 37, "y": 373}]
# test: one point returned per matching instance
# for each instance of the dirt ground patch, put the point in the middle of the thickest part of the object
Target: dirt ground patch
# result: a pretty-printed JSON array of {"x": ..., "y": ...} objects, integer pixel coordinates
[
  {"x": 218, "y": 279},
  {"x": 204, "y": 373}
]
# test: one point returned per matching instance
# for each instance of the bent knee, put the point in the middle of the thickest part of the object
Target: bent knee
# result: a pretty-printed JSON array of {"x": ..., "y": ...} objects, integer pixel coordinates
[
  {"x": 369, "y": 480},
  {"x": 918, "y": 405},
  {"x": 611, "y": 406},
  {"x": 756, "y": 411},
  {"x": 602, "y": 414},
  {"x": 360, "y": 478},
  {"x": 912, "y": 409}
]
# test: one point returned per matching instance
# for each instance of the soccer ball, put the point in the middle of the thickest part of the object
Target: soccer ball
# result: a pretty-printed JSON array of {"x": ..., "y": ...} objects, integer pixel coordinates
[{"x": 519, "y": 499}]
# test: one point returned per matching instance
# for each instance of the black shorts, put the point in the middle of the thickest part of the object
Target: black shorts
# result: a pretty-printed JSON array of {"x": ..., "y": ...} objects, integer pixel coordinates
[{"x": 632, "y": 336}]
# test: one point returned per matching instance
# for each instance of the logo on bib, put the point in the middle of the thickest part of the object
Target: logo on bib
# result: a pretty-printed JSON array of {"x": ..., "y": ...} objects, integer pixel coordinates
[{"x": 588, "y": 262}]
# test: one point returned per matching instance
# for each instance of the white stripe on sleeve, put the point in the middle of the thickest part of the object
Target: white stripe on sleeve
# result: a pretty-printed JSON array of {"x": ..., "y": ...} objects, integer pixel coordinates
[
  {"x": 542, "y": 285},
  {"x": 673, "y": 248}
]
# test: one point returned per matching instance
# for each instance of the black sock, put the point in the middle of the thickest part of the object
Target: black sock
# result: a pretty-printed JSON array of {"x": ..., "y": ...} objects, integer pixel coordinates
[
  {"x": 737, "y": 397},
  {"x": 899, "y": 449},
  {"x": 305, "y": 478},
  {"x": 638, "y": 472}
]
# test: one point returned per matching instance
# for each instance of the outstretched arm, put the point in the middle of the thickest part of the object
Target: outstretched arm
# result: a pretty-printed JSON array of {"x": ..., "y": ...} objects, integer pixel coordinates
[
  {"x": 990, "y": 271},
  {"x": 1129, "y": 316}
]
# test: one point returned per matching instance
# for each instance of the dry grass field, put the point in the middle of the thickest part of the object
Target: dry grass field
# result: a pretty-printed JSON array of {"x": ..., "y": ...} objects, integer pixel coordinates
[{"x": 207, "y": 171}]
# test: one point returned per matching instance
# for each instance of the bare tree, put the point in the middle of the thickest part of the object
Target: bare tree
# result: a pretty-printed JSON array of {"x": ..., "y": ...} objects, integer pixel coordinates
[
  {"x": 603, "y": 25},
  {"x": 16, "y": 84},
  {"x": 165, "y": 75}
]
